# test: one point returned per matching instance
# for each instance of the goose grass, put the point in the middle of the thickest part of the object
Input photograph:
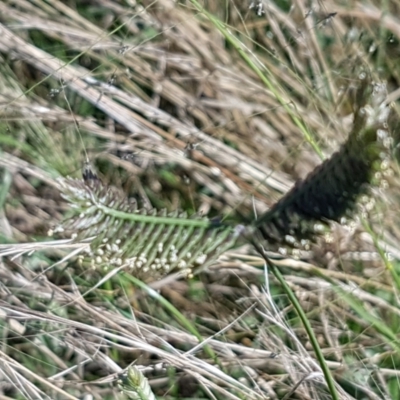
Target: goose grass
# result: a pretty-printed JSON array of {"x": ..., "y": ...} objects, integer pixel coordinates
[
  {"x": 331, "y": 190},
  {"x": 327, "y": 194},
  {"x": 153, "y": 243}
]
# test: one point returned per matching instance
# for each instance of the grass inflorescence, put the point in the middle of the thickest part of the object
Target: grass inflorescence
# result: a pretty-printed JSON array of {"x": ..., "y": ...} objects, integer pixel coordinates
[{"x": 198, "y": 117}]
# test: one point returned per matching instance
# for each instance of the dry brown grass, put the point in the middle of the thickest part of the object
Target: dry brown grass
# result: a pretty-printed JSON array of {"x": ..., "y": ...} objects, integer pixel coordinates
[{"x": 173, "y": 115}]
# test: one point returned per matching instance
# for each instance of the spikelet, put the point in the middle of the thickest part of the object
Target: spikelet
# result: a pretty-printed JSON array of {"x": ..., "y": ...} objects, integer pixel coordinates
[
  {"x": 149, "y": 242},
  {"x": 330, "y": 191},
  {"x": 135, "y": 386}
]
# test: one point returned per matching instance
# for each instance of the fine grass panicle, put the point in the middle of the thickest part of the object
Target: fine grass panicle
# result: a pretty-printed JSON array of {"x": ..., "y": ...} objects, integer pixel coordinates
[
  {"x": 330, "y": 191},
  {"x": 150, "y": 242}
]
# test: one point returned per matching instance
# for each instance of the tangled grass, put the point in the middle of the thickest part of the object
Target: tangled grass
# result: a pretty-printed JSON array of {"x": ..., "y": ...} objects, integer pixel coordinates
[{"x": 214, "y": 108}]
